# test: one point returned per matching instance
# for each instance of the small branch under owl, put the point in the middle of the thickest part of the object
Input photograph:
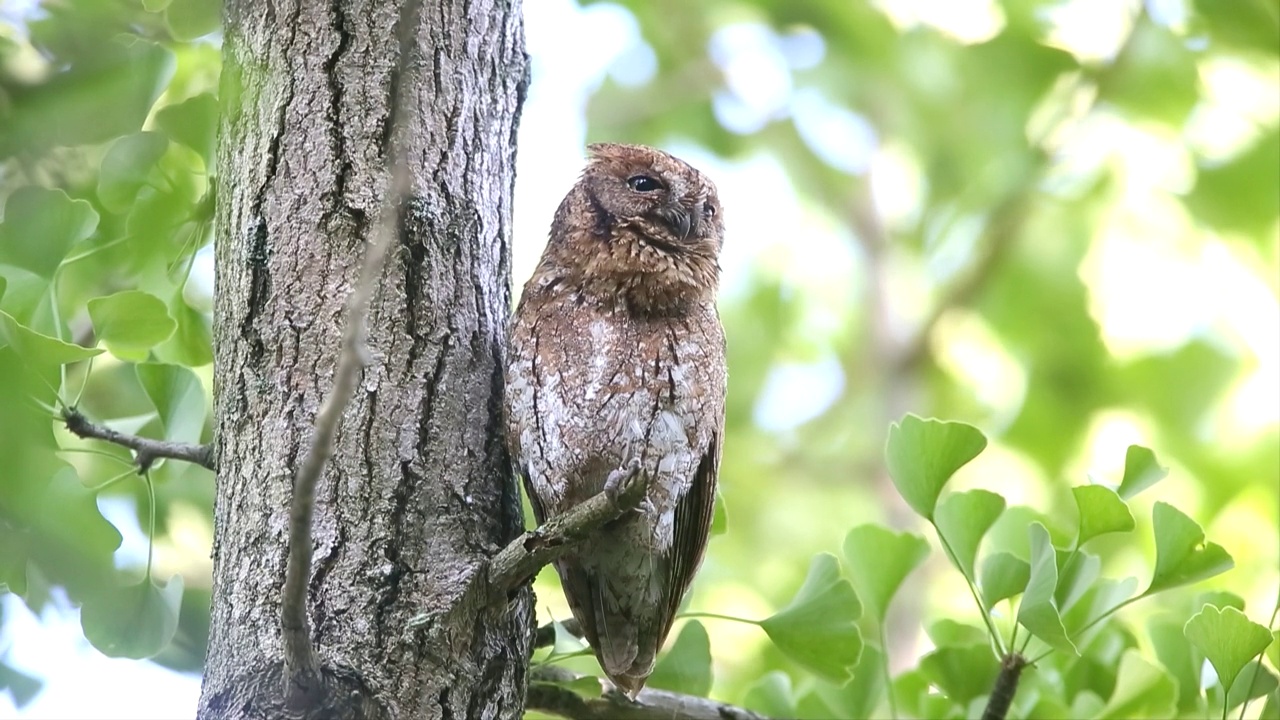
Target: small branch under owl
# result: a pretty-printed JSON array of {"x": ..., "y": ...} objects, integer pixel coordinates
[{"x": 523, "y": 557}]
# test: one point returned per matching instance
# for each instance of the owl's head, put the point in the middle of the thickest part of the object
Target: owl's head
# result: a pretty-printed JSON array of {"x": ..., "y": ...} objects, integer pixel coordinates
[{"x": 645, "y": 195}]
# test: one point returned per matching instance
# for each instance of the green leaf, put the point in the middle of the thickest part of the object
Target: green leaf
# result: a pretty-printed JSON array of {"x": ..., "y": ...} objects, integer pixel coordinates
[
  {"x": 962, "y": 673},
  {"x": 1142, "y": 690},
  {"x": 949, "y": 633},
  {"x": 1038, "y": 612},
  {"x": 922, "y": 455},
  {"x": 1182, "y": 555},
  {"x": 1003, "y": 575},
  {"x": 771, "y": 696},
  {"x": 194, "y": 123},
  {"x": 130, "y": 323},
  {"x": 1100, "y": 598},
  {"x": 1273, "y": 650},
  {"x": 963, "y": 519},
  {"x": 1141, "y": 471},
  {"x": 1077, "y": 572},
  {"x": 1228, "y": 639},
  {"x": 40, "y": 226},
  {"x": 21, "y": 687},
  {"x": 178, "y": 397},
  {"x": 819, "y": 628},
  {"x": 879, "y": 560},
  {"x": 135, "y": 621},
  {"x": 858, "y": 697},
  {"x": 1179, "y": 658},
  {"x": 191, "y": 19},
  {"x": 686, "y": 667},
  {"x": 39, "y": 350},
  {"x": 126, "y": 167},
  {"x": 719, "y": 515},
  {"x": 68, "y": 505},
  {"x": 1101, "y": 511},
  {"x": 1154, "y": 76},
  {"x": 1240, "y": 195},
  {"x": 107, "y": 95},
  {"x": 1255, "y": 681},
  {"x": 13, "y": 561},
  {"x": 192, "y": 342},
  {"x": 1220, "y": 599}
]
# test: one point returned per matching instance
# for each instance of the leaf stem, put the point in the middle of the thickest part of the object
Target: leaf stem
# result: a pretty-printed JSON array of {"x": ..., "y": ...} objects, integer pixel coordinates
[
  {"x": 717, "y": 616},
  {"x": 1091, "y": 623},
  {"x": 151, "y": 511},
  {"x": 888, "y": 679},
  {"x": 1270, "y": 624},
  {"x": 973, "y": 590}
]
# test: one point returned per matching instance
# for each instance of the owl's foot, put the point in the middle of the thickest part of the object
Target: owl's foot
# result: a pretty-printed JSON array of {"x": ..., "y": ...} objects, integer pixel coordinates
[{"x": 622, "y": 480}]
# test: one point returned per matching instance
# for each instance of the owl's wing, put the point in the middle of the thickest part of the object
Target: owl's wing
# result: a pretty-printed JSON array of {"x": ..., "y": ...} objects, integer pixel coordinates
[{"x": 692, "y": 525}]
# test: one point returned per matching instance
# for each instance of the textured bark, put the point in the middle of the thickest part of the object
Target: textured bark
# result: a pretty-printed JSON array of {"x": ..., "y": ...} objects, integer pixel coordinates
[{"x": 419, "y": 493}]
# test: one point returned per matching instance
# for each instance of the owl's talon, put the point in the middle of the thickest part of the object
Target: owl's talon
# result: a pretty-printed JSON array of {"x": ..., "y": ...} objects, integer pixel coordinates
[{"x": 619, "y": 481}]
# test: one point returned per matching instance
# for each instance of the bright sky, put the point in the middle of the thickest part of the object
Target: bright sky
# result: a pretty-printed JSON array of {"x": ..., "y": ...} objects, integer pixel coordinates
[{"x": 1178, "y": 294}]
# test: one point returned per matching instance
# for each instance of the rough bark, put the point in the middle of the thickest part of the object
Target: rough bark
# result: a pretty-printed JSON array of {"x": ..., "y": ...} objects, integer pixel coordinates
[{"x": 419, "y": 493}]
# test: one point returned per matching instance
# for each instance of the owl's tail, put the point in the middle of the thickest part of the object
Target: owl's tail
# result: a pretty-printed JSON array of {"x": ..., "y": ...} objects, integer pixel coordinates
[{"x": 618, "y": 624}]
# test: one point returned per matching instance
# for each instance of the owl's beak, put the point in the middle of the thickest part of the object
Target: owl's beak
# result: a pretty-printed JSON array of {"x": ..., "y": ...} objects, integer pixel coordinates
[{"x": 680, "y": 220}]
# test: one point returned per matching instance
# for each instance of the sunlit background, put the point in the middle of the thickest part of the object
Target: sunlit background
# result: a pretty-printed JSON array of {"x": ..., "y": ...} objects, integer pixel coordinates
[{"x": 1054, "y": 220}]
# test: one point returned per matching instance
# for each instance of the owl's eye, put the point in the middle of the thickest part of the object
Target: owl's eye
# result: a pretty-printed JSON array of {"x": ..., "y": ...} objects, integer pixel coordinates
[
  {"x": 708, "y": 210},
  {"x": 643, "y": 183}
]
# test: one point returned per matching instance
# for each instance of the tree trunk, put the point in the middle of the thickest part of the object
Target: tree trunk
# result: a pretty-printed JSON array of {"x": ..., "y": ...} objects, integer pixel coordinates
[{"x": 419, "y": 492}]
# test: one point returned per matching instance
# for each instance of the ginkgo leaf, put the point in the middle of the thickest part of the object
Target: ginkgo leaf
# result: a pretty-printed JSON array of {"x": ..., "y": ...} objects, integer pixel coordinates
[
  {"x": 819, "y": 628},
  {"x": 922, "y": 455},
  {"x": 686, "y": 666},
  {"x": 1228, "y": 639},
  {"x": 1182, "y": 555},
  {"x": 879, "y": 560},
  {"x": 134, "y": 621}
]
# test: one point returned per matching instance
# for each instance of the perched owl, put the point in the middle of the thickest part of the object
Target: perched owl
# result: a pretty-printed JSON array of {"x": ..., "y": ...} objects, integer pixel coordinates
[{"x": 617, "y": 358}]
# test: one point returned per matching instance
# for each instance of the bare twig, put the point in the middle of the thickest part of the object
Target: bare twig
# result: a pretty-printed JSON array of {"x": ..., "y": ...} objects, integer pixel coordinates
[
  {"x": 548, "y": 693},
  {"x": 523, "y": 557},
  {"x": 301, "y": 666},
  {"x": 145, "y": 450}
]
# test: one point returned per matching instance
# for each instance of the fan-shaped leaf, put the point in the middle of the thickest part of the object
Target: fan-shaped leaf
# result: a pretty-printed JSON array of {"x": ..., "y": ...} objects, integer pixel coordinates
[
  {"x": 686, "y": 667},
  {"x": 1182, "y": 555},
  {"x": 1038, "y": 612},
  {"x": 1003, "y": 575},
  {"x": 818, "y": 629},
  {"x": 1101, "y": 511},
  {"x": 963, "y": 519},
  {"x": 135, "y": 621},
  {"x": 126, "y": 167},
  {"x": 1227, "y": 638},
  {"x": 130, "y": 323},
  {"x": 40, "y": 225},
  {"x": 879, "y": 560},
  {"x": 922, "y": 455},
  {"x": 1141, "y": 471}
]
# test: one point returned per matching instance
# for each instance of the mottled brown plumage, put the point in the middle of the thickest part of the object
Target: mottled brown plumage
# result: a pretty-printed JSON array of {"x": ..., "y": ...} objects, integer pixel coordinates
[{"x": 617, "y": 357}]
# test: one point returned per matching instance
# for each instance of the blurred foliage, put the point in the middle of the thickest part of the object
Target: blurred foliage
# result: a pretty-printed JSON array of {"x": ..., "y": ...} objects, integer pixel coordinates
[
  {"x": 107, "y": 127},
  {"x": 1011, "y": 192}
]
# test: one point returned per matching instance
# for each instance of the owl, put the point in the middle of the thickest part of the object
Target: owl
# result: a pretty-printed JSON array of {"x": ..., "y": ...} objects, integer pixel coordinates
[{"x": 617, "y": 364}]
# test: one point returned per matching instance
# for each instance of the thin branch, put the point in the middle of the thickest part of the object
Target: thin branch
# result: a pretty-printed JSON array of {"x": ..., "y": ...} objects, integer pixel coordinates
[
  {"x": 145, "y": 450},
  {"x": 549, "y": 694},
  {"x": 523, "y": 557},
  {"x": 301, "y": 665}
]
